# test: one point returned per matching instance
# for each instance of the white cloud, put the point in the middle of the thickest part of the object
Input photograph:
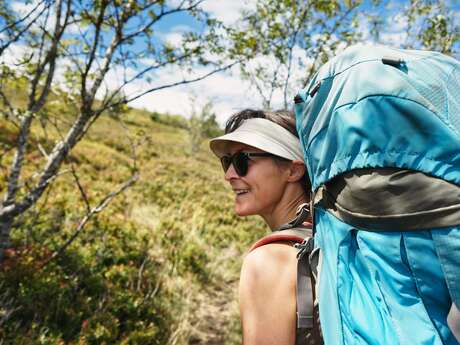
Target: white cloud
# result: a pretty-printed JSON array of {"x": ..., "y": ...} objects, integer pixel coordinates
[
  {"x": 181, "y": 28},
  {"x": 13, "y": 55},
  {"x": 392, "y": 31},
  {"x": 174, "y": 35},
  {"x": 173, "y": 38},
  {"x": 228, "y": 11},
  {"x": 227, "y": 92},
  {"x": 24, "y": 8},
  {"x": 395, "y": 39}
]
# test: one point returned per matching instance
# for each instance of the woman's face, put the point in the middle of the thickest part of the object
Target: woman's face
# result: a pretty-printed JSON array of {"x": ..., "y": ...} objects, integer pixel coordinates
[{"x": 261, "y": 189}]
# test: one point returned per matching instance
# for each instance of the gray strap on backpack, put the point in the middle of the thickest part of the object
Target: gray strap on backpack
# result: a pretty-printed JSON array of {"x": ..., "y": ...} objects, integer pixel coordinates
[
  {"x": 308, "y": 325},
  {"x": 304, "y": 292},
  {"x": 308, "y": 331},
  {"x": 304, "y": 287}
]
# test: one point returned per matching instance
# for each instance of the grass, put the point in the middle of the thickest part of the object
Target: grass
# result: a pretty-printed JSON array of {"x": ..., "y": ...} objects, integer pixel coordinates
[{"x": 159, "y": 266}]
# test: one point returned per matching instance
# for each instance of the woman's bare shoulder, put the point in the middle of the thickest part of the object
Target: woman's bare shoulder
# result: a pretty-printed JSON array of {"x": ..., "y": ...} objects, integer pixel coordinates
[
  {"x": 267, "y": 295},
  {"x": 269, "y": 263}
]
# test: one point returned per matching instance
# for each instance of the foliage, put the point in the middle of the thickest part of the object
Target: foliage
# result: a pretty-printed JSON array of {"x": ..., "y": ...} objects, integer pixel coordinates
[
  {"x": 160, "y": 266},
  {"x": 177, "y": 121},
  {"x": 294, "y": 37},
  {"x": 202, "y": 124},
  {"x": 87, "y": 53},
  {"x": 432, "y": 25},
  {"x": 284, "y": 42}
]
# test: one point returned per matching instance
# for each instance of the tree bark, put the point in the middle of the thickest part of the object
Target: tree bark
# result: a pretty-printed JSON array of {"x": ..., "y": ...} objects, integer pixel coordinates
[{"x": 5, "y": 228}]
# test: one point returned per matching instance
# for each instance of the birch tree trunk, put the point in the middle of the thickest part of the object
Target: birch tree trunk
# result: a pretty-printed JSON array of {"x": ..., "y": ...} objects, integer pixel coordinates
[{"x": 83, "y": 45}]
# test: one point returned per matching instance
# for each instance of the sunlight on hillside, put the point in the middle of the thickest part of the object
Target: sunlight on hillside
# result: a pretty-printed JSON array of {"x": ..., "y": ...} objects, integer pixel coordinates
[{"x": 160, "y": 265}]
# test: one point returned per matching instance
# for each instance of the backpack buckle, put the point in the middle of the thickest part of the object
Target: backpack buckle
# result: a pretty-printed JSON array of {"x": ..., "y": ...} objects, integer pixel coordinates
[{"x": 305, "y": 248}]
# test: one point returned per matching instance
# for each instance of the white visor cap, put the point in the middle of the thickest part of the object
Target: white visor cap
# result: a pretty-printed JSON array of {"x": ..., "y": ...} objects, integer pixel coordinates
[{"x": 262, "y": 134}]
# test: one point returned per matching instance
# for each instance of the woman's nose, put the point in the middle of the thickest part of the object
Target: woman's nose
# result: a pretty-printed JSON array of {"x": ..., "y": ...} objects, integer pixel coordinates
[{"x": 230, "y": 173}]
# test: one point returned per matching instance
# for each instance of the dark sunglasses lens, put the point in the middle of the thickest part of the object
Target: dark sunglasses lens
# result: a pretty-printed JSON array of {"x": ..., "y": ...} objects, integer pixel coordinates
[
  {"x": 240, "y": 163},
  {"x": 226, "y": 161}
]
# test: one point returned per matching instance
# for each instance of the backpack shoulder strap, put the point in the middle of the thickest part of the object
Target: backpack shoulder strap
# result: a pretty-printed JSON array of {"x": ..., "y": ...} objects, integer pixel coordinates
[{"x": 304, "y": 286}]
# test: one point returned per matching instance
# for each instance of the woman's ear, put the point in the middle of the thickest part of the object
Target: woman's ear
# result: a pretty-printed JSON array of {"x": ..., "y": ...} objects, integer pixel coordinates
[{"x": 296, "y": 171}]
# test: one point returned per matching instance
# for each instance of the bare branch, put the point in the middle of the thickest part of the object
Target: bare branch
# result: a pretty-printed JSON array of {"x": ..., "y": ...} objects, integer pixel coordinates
[
  {"x": 182, "y": 82},
  {"x": 290, "y": 50},
  {"x": 7, "y": 304},
  {"x": 33, "y": 107},
  {"x": 273, "y": 85},
  {"x": 10, "y": 210},
  {"x": 27, "y": 27},
  {"x": 261, "y": 84},
  {"x": 132, "y": 145},
  {"x": 101, "y": 206},
  {"x": 159, "y": 17},
  {"x": 92, "y": 54},
  {"x": 50, "y": 59},
  {"x": 41, "y": 64},
  {"x": 39, "y": 208},
  {"x": 120, "y": 38},
  {"x": 20, "y": 20},
  {"x": 97, "y": 62},
  {"x": 55, "y": 159},
  {"x": 80, "y": 188},
  {"x": 8, "y": 104},
  {"x": 26, "y": 183},
  {"x": 88, "y": 99},
  {"x": 151, "y": 68},
  {"x": 140, "y": 273}
]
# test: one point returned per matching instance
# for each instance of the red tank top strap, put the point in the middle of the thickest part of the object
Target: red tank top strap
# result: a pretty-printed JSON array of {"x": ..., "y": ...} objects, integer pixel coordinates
[{"x": 278, "y": 236}]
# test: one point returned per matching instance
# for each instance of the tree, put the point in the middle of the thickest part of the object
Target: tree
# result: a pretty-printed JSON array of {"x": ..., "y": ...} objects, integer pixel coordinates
[
  {"x": 284, "y": 42},
  {"x": 202, "y": 124},
  {"x": 294, "y": 38},
  {"x": 73, "y": 50},
  {"x": 432, "y": 25}
]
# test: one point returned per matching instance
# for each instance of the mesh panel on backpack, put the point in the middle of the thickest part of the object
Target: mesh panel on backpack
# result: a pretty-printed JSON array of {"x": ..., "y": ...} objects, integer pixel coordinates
[
  {"x": 453, "y": 96},
  {"x": 441, "y": 93}
]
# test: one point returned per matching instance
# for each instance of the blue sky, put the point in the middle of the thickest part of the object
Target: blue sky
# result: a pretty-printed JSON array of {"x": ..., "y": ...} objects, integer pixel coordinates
[{"x": 227, "y": 91}]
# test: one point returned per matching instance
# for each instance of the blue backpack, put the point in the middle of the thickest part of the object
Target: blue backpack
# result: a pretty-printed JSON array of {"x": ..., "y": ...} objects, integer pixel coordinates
[{"x": 380, "y": 130}]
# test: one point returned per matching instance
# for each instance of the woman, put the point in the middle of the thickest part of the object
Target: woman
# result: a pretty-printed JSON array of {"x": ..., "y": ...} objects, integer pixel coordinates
[{"x": 263, "y": 163}]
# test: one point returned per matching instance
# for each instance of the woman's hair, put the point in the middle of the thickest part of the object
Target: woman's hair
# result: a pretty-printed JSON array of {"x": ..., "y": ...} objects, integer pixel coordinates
[{"x": 284, "y": 118}]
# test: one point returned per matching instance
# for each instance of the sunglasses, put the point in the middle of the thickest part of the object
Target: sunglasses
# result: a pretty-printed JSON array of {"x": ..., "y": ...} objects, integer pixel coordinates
[{"x": 240, "y": 161}]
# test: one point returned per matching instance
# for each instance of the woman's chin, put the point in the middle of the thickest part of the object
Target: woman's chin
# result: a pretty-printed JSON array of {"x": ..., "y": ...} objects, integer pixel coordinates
[
  {"x": 243, "y": 211},
  {"x": 245, "y": 205}
]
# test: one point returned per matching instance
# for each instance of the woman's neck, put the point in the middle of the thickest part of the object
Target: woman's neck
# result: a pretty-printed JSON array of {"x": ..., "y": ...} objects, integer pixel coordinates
[{"x": 286, "y": 209}]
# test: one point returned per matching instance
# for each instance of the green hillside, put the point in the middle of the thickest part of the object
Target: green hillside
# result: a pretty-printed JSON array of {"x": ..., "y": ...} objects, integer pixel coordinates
[{"x": 160, "y": 265}]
